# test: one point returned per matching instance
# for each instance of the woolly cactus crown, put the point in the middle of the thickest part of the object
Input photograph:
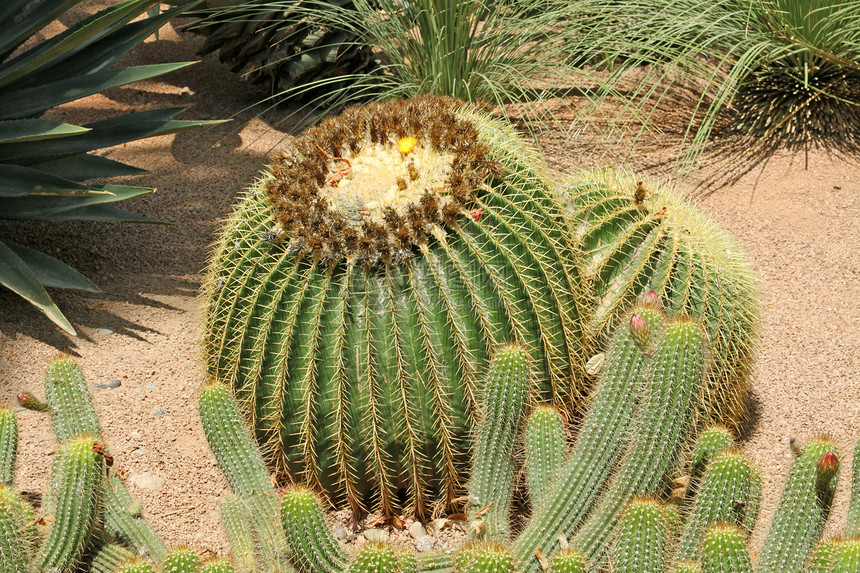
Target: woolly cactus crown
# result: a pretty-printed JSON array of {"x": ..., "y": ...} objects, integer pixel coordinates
[{"x": 371, "y": 183}]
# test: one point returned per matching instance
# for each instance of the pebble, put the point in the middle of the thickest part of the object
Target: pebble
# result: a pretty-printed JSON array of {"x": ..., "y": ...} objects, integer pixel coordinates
[
  {"x": 150, "y": 386},
  {"x": 342, "y": 533},
  {"x": 425, "y": 544},
  {"x": 104, "y": 331},
  {"x": 417, "y": 531},
  {"x": 108, "y": 386},
  {"x": 136, "y": 435},
  {"x": 148, "y": 481},
  {"x": 376, "y": 535},
  {"x": 186, "y": 91},
  {"x": 159, "y": 413}
]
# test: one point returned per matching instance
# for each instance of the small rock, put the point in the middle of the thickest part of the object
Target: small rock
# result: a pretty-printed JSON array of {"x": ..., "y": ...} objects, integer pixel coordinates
[
  {"x": 138, "y": 389},
  {"x": 148, "y": 481},
  {"x": 104, "y": 331},
  {"x": 150, "y": 386},
  {"x": 417, "y": 531},
  {"x": 108, "y": 385},
  {"x": 159, "y": 413},
  {"x": 425, "y": 544},
  {"x": 342, "y": 533},
  {"x": 376, "y": 535},
  {"x": 186, "y": 91},
  {"x": 136, "y": 435}
]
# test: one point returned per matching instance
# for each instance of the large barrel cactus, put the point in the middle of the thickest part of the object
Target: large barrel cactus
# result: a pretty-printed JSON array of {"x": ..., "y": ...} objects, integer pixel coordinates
[
  {"x": 355, "y": 293},
  {"x": 635, "y": 238}
]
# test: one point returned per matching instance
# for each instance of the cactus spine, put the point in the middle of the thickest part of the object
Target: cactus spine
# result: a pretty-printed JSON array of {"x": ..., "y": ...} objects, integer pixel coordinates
[
  {"x": 504, "y": 403},
  {"x": 635, "y": 238},
  {"x": 546, "y": 451},
  {"x": 353, "y": 321}
]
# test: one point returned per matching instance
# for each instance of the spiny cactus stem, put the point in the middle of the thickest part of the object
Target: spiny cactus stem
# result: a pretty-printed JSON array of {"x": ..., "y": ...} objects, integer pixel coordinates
[
  {"x": 504, "y": 401},
  {"x": 546, "y": 451},
  {"x": 182, "y": 560},
  {"x": 724, "y": 550},
  {"x": 72, "y": 410},
  {"x": 237, "y": 525},
  {"x": 8, "y": 445},
  {"x": 314, "y": 547},
  {"x": 598, "y": 447},
  {"x": 852, "y": 527},
  {"x": 640, "y": 545},
  {"x": 109, "y": 557},
  {"x": 13, "y": 550},
  {"x": 122, "y": 523}
]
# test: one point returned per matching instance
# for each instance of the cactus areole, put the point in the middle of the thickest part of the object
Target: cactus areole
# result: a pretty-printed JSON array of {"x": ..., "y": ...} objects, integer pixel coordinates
[{"x": 355, "y": 293}]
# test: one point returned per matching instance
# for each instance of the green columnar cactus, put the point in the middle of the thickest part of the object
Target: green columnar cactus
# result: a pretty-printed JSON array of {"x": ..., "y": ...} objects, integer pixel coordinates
[
  {"x": 663, "y": 425},
  {"x": 240, "y": 460},
  {"x": 567, "y": 561},
  {"x": 546, "y": 451},
  {"x": 436, "y": 562},
  {"x": 635, "y": 238},
  {"x": 640, "y": 544},
  {"x": 381, "y": 558},
  {"x": 314, "y": 547},
  {"x": 714, "y": 439},
  {"x": 852, "y": 527},
  {"x": 136, "y": 565},
  {"x": 598, "y": 446},
  {"x": 237, "y": 525},
  {"x": 503, "y": 405},
  {"x": 724, "y": 550},
  {"x": 182, "y": 560},
  {"x": 217, "y": 565},
  {"x": 124, "y": 522},
  {"x": 803, "y": 509},
  {"x": 729, "y": 493},
  {"x": 846, "y": 557},
  {"x": 687, "y": 567},
  {"x": 485, "y": 557},
  {"x": 356, "y": 292},
  {"x": 821, "y": 559},
  {"x": 109, "y": 557},
  {"x": 8, "y": 445},
  {"x": 76, "y": 494},
  {"x": 13, "y": 550},
  {"x": 72, "y": 410}
]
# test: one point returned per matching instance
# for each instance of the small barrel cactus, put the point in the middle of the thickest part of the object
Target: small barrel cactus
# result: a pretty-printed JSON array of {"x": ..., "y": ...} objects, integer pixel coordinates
[{"x": 355, "y": 294}]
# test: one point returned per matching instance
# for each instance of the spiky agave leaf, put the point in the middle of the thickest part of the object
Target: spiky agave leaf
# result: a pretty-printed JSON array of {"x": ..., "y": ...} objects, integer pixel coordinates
[
  {"x": 44, "y": 163},
  {"x": 356, "y": 292}
]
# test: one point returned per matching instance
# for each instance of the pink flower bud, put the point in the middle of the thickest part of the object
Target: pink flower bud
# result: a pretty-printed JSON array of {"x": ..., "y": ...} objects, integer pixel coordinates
[
  {"x": 651, "y": 299},
  {"x": 476, "y": 214},
  {"x": 828, "y": 464},
  {"x": 30, "y": 402},
  {"x": 640, "y": 330}
]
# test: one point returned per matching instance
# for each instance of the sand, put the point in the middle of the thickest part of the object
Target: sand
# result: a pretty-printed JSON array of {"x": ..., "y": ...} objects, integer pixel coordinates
[{"x": 798, "y": 226}]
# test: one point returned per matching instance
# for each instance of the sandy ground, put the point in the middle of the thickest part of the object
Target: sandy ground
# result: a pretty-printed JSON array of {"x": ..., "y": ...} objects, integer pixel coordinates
[{"x": 799, "y": 228}]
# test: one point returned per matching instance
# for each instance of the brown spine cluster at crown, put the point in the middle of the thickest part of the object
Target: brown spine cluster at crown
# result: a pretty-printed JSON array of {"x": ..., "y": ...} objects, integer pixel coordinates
[{"x": 312, "y": 227}]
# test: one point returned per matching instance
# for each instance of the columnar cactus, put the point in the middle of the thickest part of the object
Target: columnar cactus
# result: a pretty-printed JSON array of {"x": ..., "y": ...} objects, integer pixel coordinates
[
  {"x": 635, "y": 238},
  {"x": 8, "y": 445},
  {"x": 355, "y": 295},
  {"x": 182, "y": 560},
  {"x": 640, "y": 546},
  {"x": 72, "y": 409},
  {"x": 546, "y": 451},
  {"x": 240, "y": 534}
]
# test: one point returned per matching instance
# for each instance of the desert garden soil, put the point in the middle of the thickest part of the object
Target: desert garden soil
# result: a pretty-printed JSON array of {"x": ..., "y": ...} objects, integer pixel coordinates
[{"x": 800, "y": 228}]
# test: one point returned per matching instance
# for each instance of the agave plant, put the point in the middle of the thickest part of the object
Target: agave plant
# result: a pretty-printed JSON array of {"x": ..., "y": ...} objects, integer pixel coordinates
[{"x": 45, "y": 163}]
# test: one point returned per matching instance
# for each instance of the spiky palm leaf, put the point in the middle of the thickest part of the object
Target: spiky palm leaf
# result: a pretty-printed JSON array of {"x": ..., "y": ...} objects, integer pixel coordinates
[{"x": 44, "y": 163}]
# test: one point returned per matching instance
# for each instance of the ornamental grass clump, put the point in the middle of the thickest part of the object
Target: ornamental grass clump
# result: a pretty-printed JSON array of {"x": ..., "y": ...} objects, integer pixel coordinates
[{"x": 355, "y": 293}]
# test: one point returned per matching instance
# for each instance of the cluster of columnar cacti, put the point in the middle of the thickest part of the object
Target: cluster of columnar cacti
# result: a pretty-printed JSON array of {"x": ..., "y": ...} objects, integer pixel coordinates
[
  {"x": 355, "y": 295},
  {"x": 614, "y": 508},
  {"x": 88, "y": 520}
]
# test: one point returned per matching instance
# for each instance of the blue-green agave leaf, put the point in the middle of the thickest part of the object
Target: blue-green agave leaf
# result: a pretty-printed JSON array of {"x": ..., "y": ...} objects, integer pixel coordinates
[
  {"x": 52, "y": 272},
  {"x": 17, "y": 276},
  {"x": 24, "y": 17},
  {"x": 87, "y": 166},
  {"x": 18, "y": 181},
  {"x": 87, "y": 208},
  {"x": 36, "y": 129}
]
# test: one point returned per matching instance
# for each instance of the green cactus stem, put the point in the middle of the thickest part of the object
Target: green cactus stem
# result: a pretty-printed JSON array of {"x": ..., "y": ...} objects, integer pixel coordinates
[
  {"x": 181, "y": 560},
  {"x": 72, "y": 410},
  {"x": 599, "y": 445},
  {"x": 240, "y": 460},
  {"x": 314, "y": 547},
  {"x": 714, "y": 439},
  {"x": 662, "y": 428},
  {"x": 14, "y": 554},
  {"x": 803, "y": 509},
  {"x": 435, "y": 562},
  {"x": 637, "y": 237},
  {"x": 640, "y": 544},
  {"x": 382, "y": 558},
  {"x": 821, "y": 560},
  {"x": 8, "y": 445},
  {"x": 76, "y": 493},
  {"x": 546, "y": 451},
  {"x": 568, "y": 561},
  {"x": 687, "y": 567},
  {"x": 31, "y": 402},
  {"x": 124, "y": 522},
  {"x": 108, "y": 557},
  {"x": 136, "y": 565},
  {"x": 357, "y": 291},
  {"x": 217, "y": 565},
  {"x": 846, "y": 557},
  {"x": 484, "y": 557},
  {"x": 503, "y": 405},
  {"x": 724, "y": 550},
  {"x": 852, "y": 527},
  {"x": 237, "y": 525},
  {"x": 729, "y": 493}
]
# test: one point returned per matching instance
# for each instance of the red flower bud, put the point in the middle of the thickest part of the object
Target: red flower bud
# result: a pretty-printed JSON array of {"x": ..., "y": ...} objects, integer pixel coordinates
[
  {"x": 476, "y": 214},
  {"x": 828, "y": 464},
  {"x": 651, "y": 299},
  {"x": 30, "y": 402},
  {"x": 640, "y": 330}
]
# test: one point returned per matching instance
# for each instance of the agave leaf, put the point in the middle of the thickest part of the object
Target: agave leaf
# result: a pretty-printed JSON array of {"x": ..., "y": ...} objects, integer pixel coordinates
[
  {"x": 65, "y": 44},
  {"x": 36, "y": 129},
  {"x": 52, "y": 272},
  {"x": 86, "y": 208},
  {"x": 86, "y": 166},
  {"x": 18, "y": 181},
  {"x": 27, "y": 16},
  {"x": 105, "y": 133},
  {"x": 17, "y": 276},
  {"x": 101, "y": 54},
  {"x": 35, "y": 100}
]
